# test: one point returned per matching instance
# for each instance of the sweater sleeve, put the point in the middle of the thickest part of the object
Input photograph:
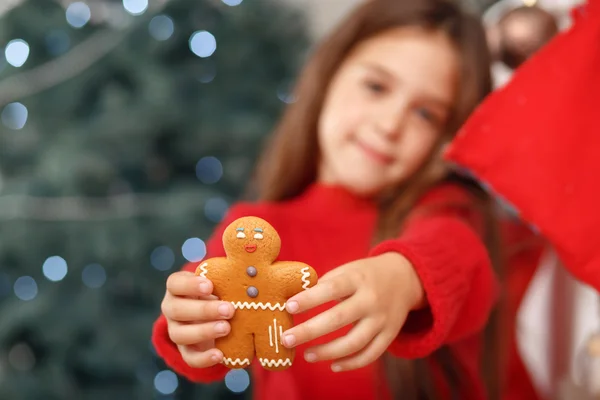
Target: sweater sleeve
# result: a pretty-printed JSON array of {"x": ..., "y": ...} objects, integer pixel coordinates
[
  {"x": 163, "y": 345},
  {"x": 442, "y": 240}
]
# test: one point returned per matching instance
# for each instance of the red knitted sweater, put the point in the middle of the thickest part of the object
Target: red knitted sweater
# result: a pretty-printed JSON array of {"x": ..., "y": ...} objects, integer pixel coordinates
[{"x": 326, "y": 227}]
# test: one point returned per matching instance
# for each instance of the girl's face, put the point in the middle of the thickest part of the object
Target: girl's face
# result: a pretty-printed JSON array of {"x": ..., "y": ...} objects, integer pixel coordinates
[{"x": 385, "y": 108}]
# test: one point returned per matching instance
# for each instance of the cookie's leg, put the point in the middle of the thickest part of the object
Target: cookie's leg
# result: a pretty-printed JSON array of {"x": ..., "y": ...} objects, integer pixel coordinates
[
  {"x": 237, "y": 346},
  {"x": 267, "y": 339}
]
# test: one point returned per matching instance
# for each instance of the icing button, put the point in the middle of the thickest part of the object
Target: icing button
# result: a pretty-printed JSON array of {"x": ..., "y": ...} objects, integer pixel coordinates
[
  {"x": 252, "y": 291},
  {"x": 251, "y": 271}
]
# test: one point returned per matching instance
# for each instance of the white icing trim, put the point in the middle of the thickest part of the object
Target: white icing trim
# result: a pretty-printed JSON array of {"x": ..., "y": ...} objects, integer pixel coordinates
[
  {"x": 275, "y": 363},
  {"x": 274, "y": 342},
  {"x": 256, "y": 305},
  {"x": 231, "y": 361},
  {"x": 305, "y": 276},
  {"x": 204, "y": 270},
  {"x": 280, "y": 333},
  {"x": 275, "y": 330}
]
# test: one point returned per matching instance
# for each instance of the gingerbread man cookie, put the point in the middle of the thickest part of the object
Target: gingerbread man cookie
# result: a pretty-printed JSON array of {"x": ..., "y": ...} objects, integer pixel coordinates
[{"x": 258, "y": 287}]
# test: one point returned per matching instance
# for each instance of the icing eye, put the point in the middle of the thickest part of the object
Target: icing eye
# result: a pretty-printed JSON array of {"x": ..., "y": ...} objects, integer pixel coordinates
[
  {"x": 258, "y": 236},
  {"x": 241, "y": 235}
]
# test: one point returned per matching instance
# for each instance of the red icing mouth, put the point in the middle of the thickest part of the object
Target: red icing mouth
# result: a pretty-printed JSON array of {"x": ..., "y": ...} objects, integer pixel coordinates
[{"x": 250, "y": 248}]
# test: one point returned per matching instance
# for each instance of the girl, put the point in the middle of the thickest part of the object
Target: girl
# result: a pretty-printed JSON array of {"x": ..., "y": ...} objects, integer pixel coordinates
[{"x": 354, "y": 184}]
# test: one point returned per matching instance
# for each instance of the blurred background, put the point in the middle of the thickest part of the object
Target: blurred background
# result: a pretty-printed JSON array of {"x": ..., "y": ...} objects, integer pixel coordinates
[{"x": 127, "y": 128}]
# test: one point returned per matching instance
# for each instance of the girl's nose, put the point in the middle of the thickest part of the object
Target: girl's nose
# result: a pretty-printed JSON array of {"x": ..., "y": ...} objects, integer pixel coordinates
[{"x": 392, "y": 120}]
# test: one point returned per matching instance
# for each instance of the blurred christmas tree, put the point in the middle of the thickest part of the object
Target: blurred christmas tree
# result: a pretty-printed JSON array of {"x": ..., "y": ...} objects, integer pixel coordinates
[{"x": 127, "y": 128}]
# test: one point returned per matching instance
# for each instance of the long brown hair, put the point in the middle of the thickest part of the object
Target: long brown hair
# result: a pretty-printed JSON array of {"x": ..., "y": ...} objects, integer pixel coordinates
[{"x": 290, "y": 162}]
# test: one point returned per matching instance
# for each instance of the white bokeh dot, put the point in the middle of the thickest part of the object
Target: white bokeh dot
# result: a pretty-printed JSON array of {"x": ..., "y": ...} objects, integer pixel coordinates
[
  {"x": 14, "y": 116},
  {"x": 203, "y": 44},
  {"x": 232, "y": 3},
  {"x": 55, "y": 268},
  {"x": 93, "y": 276},
  {"x": 162, "y": 258},
  {"x": 209, "y": 170},
  {"x": 135, "y": 7},
  {"x": 25, "y": 288},
  {"x": 193, "y": 249},
  {"x": 16, "y": 52},
  {"x": 78, "y": 14},
  {"x": 166, "y": 382},
  {"x": 161, "y": 27},
  {"x": 237, "y": 380}
]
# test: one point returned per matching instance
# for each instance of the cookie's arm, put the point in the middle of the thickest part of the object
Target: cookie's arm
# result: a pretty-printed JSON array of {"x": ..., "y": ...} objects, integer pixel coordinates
[
  {"x": 215, "y": 270},
  {"x": 294, "y": 277}
]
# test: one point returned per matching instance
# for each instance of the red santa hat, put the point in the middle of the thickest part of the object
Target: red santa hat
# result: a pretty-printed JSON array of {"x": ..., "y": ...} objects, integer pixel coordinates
[{"x": 536, "y": 143}]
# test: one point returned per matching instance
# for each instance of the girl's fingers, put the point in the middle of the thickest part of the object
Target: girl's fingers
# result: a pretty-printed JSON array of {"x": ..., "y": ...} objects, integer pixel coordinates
[
  {"x": 200, "y": 359},
  {"x": 332, "y": 289},
  {"x": 367, "y": 355},
  {"x": 189, "y": 334},
  {"x": 328, "y": 321},
  {"x": 357, "y": 339},
  {"x": 186, "y": 310},
  {"x": 185, "y": 283}
]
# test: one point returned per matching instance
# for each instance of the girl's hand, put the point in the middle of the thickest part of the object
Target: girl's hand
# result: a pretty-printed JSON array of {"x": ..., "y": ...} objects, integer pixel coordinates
[
  {"x": 195, "y": 318},
  {"x": 377, "y": 294}
]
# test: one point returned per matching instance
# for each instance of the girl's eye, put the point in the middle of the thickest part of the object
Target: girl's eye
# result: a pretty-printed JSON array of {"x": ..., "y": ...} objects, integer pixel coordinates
[
  {"x": 375, "y": 87},
  {"x": 258, "y": 236},
  {"x": 241, "y": 235},
  {"x": 426, "y": 115}
]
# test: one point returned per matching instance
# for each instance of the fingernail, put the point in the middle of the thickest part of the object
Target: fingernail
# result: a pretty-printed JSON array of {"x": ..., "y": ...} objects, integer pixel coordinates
[
  {"x": 310, "y": 357},
  {"x": 336, "y": 368},
  {"x": 204, "y": 287},
  {"x": 289, "y": 340},
  {"x": 224, "y": 310},
  {"x": 292, "y": 306},
  {"x": 220, "y": 327},
  {"x": 217, "y": 357}
]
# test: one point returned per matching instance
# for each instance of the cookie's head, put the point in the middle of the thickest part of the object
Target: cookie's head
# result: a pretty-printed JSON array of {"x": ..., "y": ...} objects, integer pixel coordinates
[{"x": 252, "y": 239}]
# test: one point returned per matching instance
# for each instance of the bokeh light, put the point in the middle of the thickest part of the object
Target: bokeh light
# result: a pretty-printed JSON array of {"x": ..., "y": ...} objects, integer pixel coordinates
[
  {"x": 207, "y": 71},
  {"x": 161, "y": 27},
  {"x": 162, "y": 258},
  {"x": 55, "y": 268},
  {"x": 14, "y": 116},
  {"x": 215, "y": 209},
  {"x": 193, "y": 249},
  {"x": 57, "y": 42},
  {"x": 203, "y": 44},
  {"x": 135, "y": 7},
  {"x": 166, "y": 382},
  {"x": 209, "y": 170},
  {"x": 237, "y": 380},
  {"x": 25, "y": 288},
  {"x": 78, "y": 14},
  {"x": 21, "y": 357},
  {"x": 93, "y": 276},
  {"x": 16, "y": 52}
]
